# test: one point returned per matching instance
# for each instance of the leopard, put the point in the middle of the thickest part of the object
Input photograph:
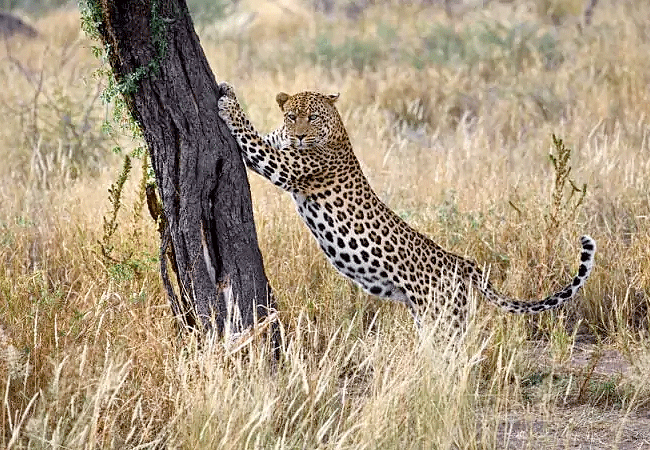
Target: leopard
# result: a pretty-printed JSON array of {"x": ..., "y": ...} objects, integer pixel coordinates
[{"x": 311, "y": 157}]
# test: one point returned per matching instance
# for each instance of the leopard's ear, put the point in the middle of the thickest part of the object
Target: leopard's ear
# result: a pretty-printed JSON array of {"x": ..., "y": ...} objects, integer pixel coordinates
[
  {"x": 332, "y": 98},
  {"x": 281, "y": 98}
]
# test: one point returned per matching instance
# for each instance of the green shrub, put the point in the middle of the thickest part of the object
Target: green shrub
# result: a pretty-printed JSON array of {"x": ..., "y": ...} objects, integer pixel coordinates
[
  {"x": 359, "y": 53},
  {"x": 514, "y": 45}
]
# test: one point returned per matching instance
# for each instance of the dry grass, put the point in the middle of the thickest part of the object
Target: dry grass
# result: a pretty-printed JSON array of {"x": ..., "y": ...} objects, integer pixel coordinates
[{"x": 453, "y": 125}]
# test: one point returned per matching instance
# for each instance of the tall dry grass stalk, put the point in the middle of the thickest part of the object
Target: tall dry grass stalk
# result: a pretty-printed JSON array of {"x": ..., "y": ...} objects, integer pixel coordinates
[{"x": 452, "y": 119}]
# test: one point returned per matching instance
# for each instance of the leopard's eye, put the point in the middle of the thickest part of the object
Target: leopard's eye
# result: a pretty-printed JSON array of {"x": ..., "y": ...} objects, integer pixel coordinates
[
  {"x": 291, "y": 116},
  {"x": 313, "y": 117}
]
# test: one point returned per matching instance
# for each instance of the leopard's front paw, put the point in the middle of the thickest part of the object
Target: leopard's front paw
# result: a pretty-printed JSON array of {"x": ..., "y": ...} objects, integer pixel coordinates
[{"x": 226, "y": 90}]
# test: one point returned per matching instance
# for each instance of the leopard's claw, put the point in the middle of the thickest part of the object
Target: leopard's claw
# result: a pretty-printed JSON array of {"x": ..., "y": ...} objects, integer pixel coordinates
[{"x": 227, "y": 90}]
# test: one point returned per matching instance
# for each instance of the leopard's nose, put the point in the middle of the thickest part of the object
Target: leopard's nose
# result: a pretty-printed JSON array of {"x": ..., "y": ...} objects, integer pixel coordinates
[{"x": 300, "y": 137}]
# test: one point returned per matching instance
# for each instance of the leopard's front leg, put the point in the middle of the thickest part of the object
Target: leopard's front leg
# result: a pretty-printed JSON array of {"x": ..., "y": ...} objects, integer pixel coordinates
[
  {"x": 264, "y": 155},
  {"x": 250, "y": 142},
  {"x": 274, "y": 139}
]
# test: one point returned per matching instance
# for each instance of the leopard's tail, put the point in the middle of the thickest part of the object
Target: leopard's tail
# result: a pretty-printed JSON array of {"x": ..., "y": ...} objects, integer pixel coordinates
[{"x": 552, "y": 301}]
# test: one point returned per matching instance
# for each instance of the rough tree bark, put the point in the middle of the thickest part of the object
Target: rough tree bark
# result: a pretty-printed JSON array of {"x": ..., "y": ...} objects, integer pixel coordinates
[{"x": 208, "y": 235}]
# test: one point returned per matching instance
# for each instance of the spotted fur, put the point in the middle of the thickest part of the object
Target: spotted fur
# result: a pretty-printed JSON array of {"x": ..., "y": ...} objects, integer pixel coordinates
[{"x": 311, "y": 157}]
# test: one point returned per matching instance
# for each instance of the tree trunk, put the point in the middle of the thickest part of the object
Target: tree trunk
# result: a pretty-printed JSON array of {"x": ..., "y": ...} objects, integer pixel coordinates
[{"x": 208, "y": 234}]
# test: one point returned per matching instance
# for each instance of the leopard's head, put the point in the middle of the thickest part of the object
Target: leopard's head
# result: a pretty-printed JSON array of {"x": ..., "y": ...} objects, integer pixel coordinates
[{"x": 311, "y": 119}]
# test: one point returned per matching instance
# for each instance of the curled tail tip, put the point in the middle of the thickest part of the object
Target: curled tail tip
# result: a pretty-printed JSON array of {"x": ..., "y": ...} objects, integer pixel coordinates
[
  {"x": 588, "y": 247},
  {"x": 587, "y": 240},
  {"x": 587, "y": 256}
]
